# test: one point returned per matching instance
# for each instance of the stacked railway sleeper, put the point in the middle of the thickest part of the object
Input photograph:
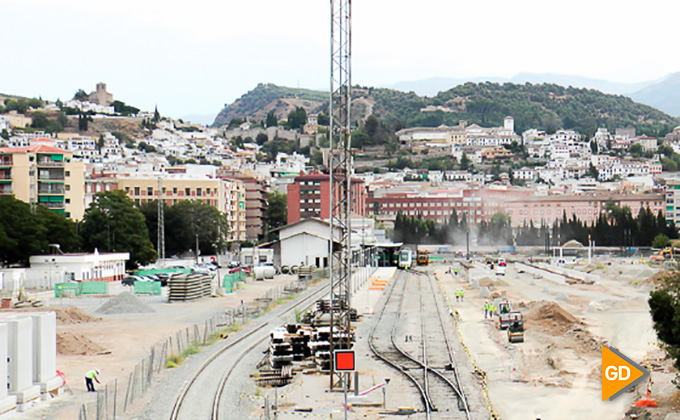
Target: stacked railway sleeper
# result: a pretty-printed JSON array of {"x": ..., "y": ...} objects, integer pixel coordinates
[
  {"x": 304, "y": 346},
  {"x": 411, "y": 335},
  {"x": 185, "y": 287}
]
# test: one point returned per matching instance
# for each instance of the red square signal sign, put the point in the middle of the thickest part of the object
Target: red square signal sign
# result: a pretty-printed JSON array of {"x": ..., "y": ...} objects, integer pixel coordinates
[{"x": 344, "y": 361}]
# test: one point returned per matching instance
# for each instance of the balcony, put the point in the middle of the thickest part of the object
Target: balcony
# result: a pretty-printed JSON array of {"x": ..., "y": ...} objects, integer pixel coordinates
[
  {"x": 53, "y": 205},
  {"x": 6, "y": 189},
  {"x": 46, "y": 163},
  {"x": 51, "y": 189}
]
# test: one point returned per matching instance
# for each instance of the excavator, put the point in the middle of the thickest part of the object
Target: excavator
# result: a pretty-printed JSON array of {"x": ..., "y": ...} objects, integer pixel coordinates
[{"x": 668, "y": 253}]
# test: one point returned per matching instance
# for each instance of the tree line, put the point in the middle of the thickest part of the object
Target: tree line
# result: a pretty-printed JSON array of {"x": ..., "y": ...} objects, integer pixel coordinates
[
  {"x": 615, "y": 227},
  {"x": 111, "y": 223}
]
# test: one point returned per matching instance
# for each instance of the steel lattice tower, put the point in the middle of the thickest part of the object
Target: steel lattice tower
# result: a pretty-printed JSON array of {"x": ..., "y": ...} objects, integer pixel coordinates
[
  {"x": 161, "y": 221},
  {"x": 341, "y": 170}
]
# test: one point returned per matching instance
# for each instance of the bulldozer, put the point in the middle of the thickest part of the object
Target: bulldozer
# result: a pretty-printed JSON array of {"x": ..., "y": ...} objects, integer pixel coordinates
[
  {"x": 423, "y": 257},
  {"x": 665, "y": 254}
]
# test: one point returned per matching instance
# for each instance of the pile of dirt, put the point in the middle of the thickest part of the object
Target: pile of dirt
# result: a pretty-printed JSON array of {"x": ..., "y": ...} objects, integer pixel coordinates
[
  {"x": 659, "y": 278},
  {"x": 549, "y": 314},
  {"x": 70, "y": 344},
  {"x": 485, "y": 282},
  {"x": 124, "y": 303},
  {"x": 68, "y": 315}
]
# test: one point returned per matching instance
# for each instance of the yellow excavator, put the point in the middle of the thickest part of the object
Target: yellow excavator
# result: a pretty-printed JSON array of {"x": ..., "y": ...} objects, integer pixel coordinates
[{"x": 665, "y": 254}]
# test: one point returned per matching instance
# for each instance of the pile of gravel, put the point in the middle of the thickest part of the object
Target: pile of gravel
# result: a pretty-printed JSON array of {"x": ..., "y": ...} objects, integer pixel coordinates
[{"x": 124, "y": 303}]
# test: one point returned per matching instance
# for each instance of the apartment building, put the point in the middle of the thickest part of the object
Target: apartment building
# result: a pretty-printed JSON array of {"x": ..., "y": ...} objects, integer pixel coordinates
[
  {"x": 309, "y": 196},
  {"x": 256, "y": 200},
  {"x": 44, "y": 175},
  {"x": 228, "y": 196},
  {"x": 587, "y": 207},
  {"x": 672, "y": 201}
]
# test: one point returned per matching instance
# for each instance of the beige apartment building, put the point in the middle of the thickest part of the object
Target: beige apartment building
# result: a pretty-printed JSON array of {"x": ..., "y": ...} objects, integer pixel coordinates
[
  {"x": 228, "y": 196},
  {"x": 44, "y": 175}
]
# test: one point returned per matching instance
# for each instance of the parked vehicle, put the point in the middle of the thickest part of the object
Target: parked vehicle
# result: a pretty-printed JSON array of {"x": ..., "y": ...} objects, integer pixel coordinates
[{"x": 130, "y": 280}]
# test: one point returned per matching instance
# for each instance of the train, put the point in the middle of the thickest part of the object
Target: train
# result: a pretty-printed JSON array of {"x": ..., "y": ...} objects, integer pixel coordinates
[{"x": 405, "y": 258}]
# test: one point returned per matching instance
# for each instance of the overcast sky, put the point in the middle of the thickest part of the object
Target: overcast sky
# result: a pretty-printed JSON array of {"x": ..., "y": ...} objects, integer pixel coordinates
[{"x": 192, "y": 57}]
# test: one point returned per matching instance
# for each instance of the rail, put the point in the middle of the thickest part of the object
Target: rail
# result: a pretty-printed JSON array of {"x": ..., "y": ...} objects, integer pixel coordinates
[
  {"x": 424, "y": 390},
  {"x": 314, "y": 295}
]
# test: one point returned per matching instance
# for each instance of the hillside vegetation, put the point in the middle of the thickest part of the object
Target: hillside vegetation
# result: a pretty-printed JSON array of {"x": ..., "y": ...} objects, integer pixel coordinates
[{"x": 543, "y": 106}]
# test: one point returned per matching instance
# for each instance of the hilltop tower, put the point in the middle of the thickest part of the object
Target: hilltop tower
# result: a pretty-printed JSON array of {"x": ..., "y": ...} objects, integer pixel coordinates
[{"x": 509, "y": 124}]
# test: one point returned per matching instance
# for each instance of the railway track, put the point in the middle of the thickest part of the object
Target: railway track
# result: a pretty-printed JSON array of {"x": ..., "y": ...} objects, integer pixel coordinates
[
  {"x": 430, "y": 363},
  {"x": 208, "y": 383}
]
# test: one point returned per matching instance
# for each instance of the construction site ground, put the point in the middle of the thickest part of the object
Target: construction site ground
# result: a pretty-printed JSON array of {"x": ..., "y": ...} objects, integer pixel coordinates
[
  {"x": 116, "y": 343},
  {"x": 556, "y": 372}
]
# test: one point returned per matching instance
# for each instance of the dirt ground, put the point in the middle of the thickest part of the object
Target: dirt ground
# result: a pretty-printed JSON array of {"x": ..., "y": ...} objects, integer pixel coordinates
[
  {"x": 556, "y": 372},
  {"x": 116, "y": 343}
]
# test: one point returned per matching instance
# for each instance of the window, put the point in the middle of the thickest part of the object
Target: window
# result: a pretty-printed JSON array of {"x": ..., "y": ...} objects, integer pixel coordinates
[
  {"x": 149, "y": 191},
  {"x": 174, "y": 190},
  {"x": 137, "y": 192},
  {"x": 67, "y": 201},
  {"x": 187, "y": 191},
  {"x": 67, "y": 187},
  {"x": 127, "y": 190},
  {"x": 67, "y": 173},
  {"x": 163, "y": 190},
  {"x": 198, "y": 192}
]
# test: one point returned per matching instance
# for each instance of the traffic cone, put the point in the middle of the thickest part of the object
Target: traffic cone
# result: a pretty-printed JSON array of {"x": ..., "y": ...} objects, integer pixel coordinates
[{"x": 647, "y": 401}]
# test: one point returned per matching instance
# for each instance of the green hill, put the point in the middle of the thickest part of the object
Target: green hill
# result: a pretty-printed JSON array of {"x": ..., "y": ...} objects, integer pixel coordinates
[{"x": 542, "y": 106}]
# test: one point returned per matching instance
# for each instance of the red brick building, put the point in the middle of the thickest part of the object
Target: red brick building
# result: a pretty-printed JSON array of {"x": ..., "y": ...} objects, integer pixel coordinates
[{"x": 309, "y": 196}]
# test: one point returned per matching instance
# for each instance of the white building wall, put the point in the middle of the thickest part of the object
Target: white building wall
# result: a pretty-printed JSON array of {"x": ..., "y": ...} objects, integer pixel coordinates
[{"x": 303, "y": 249}]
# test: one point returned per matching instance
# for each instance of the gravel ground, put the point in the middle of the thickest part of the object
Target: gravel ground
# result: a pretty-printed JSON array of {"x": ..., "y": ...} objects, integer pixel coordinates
[{"x": 236, "y": 402}]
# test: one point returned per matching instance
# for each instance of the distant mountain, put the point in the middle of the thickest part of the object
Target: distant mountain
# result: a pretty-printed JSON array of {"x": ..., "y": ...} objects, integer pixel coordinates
[
  {"x": 432, "y": 86},
  {"x": 543, "y": 106},
  {"x": 664, "y": 95}
]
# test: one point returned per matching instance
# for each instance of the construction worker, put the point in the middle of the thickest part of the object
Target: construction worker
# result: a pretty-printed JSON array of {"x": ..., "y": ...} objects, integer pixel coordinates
[
  {"x": 462, "y": 295},
  {"x": 457, "y": 295},
  {"x": 89, "y": 377},
  {"x": 491, "y": 309},
  {"x": 455, "y": 271},
  {"x": 486, "y": 309}
]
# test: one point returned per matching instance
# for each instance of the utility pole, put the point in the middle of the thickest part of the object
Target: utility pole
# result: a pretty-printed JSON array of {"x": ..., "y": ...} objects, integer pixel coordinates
[
  {"x": 161, "y": 221},
  {"x": 341, "y": 170}
]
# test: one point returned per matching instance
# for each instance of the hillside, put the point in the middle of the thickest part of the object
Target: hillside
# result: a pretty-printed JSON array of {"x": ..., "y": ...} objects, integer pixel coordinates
[
  {"x": 544, "y": 106},
  {"x": 664, "y": 95},
  {"x": 256, "y": 104}
]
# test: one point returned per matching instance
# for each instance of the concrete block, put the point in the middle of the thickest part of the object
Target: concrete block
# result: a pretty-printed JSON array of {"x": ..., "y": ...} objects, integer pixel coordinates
[
  {"x": 4, "y": 349},
  {"x": 44, "y": 346},
  {"x": 7, "y": 405},
  {"x": 20, "y": 360}
]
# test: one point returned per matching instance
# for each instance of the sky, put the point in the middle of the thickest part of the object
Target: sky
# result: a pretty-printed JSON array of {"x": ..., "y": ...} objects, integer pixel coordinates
[{"x": 193, "y": 57}]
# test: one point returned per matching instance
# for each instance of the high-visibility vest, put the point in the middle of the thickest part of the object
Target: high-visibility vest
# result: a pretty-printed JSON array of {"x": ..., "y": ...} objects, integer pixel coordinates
[
  {"x": 91, "y": 374},
  {"x": 486, "y": 306}
]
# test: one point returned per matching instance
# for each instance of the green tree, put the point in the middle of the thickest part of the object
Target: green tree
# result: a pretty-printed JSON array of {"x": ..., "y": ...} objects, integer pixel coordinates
[
  {"x": 277, "y": 210},
  {"x": 636, "y": 150},
  {"x": 271, "y": 120},
  {"x": 82, "y": 122},
  {"x": 661, "y": 241},
  {"x": 664, "y": 305},
  {"x": 20, "y": 234},
  {"x": 35, "y": 103},
  {"x": 208, "y": 227},
  {"x": 100, "y": 142},
  {"x": 465, "y": 162},
  {"x": 297, "y": 118},
  {"x": 112, "y": 223},
  {"x": 40, "y": 120},
  {"x": 261, "y": 138},
  {"x": 81, "y": 95},
  {"x": 156, "y": 115}
]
